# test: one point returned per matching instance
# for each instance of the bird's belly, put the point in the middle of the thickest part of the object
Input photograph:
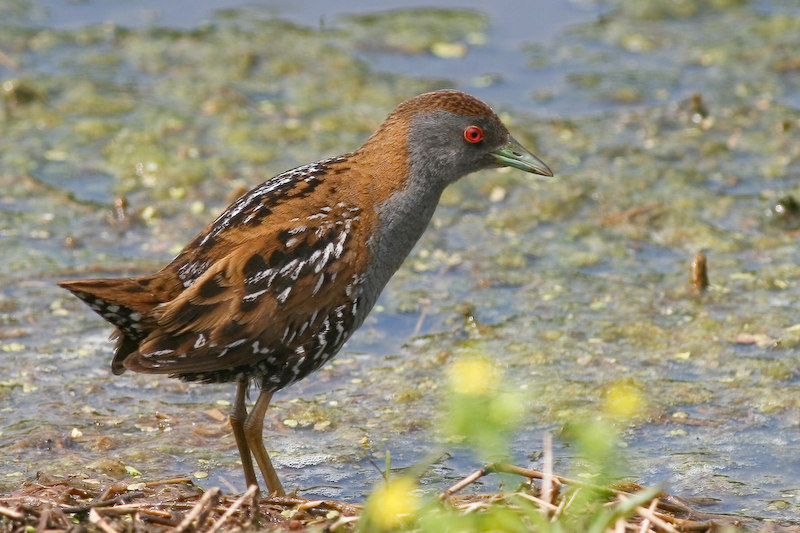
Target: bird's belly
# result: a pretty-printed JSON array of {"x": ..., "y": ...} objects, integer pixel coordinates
[{"x": 275, "y": 362}]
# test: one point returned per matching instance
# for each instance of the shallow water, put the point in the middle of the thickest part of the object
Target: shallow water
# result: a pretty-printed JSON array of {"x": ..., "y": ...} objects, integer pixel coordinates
[{"x": 570, "y": 285}]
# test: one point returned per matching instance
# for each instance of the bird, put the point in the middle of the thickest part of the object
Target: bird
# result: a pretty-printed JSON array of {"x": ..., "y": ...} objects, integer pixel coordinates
[{"x": 270, "y": 291}]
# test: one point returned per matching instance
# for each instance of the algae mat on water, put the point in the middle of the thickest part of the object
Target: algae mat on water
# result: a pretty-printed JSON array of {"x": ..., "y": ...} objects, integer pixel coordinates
[{"x": 689, "y": 140}]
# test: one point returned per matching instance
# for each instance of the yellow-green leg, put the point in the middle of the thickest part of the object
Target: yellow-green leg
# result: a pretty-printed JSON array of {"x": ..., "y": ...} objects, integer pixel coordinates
[
  {"x": 253, "y": 432},
  {"x": 238, "y": 419}
]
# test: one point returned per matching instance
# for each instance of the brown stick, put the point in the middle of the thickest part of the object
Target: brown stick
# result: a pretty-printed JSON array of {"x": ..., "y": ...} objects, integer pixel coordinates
[
  {"x": 650, "y": 515},
  {"x": 525, "y": 472},
  {"x": 206, "y": 501},
  {"x": 698, "y": 273},
  {"x": 99, "y": 521},
  {"x": 426, "y": 304},
  {"x": 538, "y": 501},
  {"x": 250, "y": 494},
  {"x": 646, "y": 521},
  {"x": 470, "y": 479},
  {"x": 170, "y": 481},
  {"x": 130, "y": 508},
  {"x": 11, "y": 513},
  {"x": 44, "y": 518}
]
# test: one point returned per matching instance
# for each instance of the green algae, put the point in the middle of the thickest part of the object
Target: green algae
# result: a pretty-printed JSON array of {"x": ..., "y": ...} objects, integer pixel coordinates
[
  {"x": 416, "y": 31},
  {"x": 568, "y": 284},
  {"x": 655, "y": 10}
]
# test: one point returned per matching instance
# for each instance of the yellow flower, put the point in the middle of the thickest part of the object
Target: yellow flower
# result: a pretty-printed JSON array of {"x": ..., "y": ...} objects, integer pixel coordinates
[
  {"x": 623, "y": 400},
  {"x": 393, "y": 503},
  {"x": 473, "y": 377}
]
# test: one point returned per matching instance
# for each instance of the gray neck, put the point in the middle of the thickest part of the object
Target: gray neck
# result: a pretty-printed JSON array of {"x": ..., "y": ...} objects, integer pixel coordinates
[{"x": 403, "y": 219}]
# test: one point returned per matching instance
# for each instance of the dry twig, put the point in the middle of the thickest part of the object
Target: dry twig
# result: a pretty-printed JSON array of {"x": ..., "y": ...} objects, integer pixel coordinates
[
  {"x": 178, "y": 506},
  {"x": 251, "y": 493},
  {"x": 200, "y": 509},
  {"x": 96, "y": 519}
]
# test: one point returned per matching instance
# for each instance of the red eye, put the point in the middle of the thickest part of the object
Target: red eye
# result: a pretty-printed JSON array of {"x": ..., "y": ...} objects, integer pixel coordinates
[{"x": 473, "y": 134}]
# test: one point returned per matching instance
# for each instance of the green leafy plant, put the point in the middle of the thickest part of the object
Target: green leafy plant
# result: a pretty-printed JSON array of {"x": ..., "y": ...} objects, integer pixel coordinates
[{"x": 481, "y": 416}]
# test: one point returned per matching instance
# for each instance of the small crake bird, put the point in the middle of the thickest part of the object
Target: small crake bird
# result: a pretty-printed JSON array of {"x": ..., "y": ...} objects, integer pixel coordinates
[{"x": 272, "y": 289}]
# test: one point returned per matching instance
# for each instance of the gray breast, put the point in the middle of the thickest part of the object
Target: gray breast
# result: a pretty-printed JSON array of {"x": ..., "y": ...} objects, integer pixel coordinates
[{"x": 403, "y": 219}]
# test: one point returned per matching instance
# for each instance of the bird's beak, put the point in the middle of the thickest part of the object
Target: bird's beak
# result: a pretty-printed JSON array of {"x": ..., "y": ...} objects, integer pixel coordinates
[{"x": 512, "y": 154}]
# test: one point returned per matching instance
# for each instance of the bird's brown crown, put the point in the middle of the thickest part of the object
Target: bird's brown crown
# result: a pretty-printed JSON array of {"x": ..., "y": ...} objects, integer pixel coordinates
[{"x": 448, "y": 100}]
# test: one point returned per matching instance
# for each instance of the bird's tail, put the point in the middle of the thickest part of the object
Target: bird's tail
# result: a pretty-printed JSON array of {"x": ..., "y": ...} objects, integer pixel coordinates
[{"x": 127, "y": 303}]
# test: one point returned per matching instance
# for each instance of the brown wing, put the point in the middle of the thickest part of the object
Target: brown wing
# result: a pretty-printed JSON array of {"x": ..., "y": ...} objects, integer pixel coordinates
[
  {"x": 257, "y": 215},
  {"x": 281, "y": 294}
]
